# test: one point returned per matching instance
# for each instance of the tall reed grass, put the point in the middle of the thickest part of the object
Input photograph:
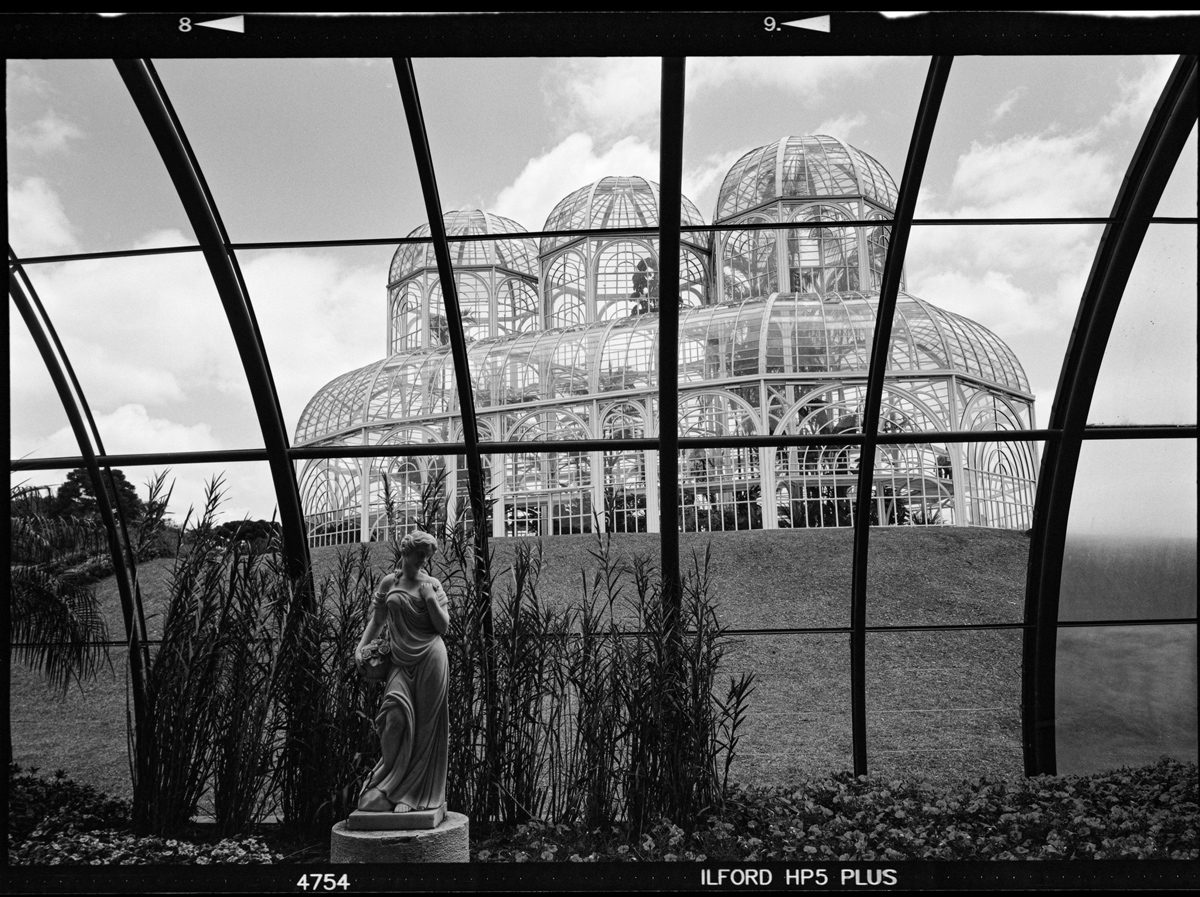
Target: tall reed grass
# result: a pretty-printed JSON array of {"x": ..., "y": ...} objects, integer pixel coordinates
[{"x": 606, "y": 709}]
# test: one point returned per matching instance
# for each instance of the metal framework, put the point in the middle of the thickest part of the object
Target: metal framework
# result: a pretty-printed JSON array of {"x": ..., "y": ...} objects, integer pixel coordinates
[
  {"x": 592, "y": 355},
  {"x": 894, "y": 355},
  {"x": 1160, "y": 146}
]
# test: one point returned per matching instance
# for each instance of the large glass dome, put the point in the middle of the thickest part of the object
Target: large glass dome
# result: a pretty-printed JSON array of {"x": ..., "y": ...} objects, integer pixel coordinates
[
  {"x": 775, "y": 331},
  {"x": 814, "y": 167}
]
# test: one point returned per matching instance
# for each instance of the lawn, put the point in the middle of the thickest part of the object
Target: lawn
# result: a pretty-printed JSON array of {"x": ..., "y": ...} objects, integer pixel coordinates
[{"x": 941, "y": 705}]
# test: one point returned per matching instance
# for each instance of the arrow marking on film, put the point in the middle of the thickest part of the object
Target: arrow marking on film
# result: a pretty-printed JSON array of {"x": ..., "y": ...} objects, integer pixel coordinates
[
  {"x": 238, "y": 24},
  {"x": 817, "y": 23}
]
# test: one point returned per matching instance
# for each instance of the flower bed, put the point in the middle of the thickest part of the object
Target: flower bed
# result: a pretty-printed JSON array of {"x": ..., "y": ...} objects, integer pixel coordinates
[{"x": 1145, "y": 813}]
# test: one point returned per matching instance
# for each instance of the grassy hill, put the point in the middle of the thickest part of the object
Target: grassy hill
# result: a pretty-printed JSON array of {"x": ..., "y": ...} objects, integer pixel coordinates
[{"x": 942, "y": 705}]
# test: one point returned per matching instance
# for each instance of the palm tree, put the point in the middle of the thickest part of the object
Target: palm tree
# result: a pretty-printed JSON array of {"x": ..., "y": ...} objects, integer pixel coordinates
[{"x": 56, "y": 624}]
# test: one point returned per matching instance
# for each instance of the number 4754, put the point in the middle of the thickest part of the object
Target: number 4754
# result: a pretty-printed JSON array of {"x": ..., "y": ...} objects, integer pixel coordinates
[{"x": 323, "y": 882}]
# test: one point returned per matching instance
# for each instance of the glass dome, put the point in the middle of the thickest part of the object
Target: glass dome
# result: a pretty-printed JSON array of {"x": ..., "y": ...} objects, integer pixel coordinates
[
  {"x": 814, "y": 167},
  {"x": 495, "y": 280},
  {"x": 616, "y": 202},
  {"x": 516, "y": 255}
]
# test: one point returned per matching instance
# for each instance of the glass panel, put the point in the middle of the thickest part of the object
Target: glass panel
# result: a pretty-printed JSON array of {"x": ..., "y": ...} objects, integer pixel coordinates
[
  {"x": 152, "y": 347},
  {"x": 38, "y": 716},
  {"x": 774, "y": 579},
  {"x": 944, "y": 706},
  {"x": 1148, "y": 375},
  {"x": 994, "y": 307},
  {"x": 734, "y": 159},
  {"x": 497, "y": 136},
  {"x": 322, "y": 313},
  {"x": 1179, "y": 198},
  {"x": 923, "y": 568},
  {"x": 1124, "y": 696},
  {"x": 99, "y": 706},
  {"x": 37, "y": 424},
  {"x": 548, "y": 493},
  {"x": 300, "y": 149},
  {"x": 246, "y": 486},
  {"x": 1038, "y": 136},
  {"x": 1131, "y": 550},
  {"x": 83, "y": 173},
  {"x": 798, "y": 716}
]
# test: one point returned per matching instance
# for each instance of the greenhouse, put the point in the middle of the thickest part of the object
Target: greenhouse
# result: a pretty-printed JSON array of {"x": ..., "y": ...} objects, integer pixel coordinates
[
  {"x": 793, "y": 439},
  {"x": 563, "y": 344}
]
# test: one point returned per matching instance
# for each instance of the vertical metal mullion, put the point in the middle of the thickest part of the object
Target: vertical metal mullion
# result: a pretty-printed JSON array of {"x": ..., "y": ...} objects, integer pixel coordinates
[
  {"x": 906, "y": 202},
  {"x": 1149, "y": 171},
  {"x": 670, "y": 174},
  {"x": 156, "y": 111}
]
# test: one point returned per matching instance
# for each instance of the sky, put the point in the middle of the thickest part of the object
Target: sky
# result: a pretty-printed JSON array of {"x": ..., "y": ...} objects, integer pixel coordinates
[{"x": 305, "y": 149}]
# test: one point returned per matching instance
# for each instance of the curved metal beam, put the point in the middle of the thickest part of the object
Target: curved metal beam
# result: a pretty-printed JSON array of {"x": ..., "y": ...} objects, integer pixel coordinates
[
  {"x": 137, "y": 632},
  {"x": 155, "y": 108},
  {"x": 906, "y": 203},
  {"x": 406, "y": 79},
  {"x": 1151, "y": 168},
  {"x": 130, "y": 609},
  {"x": 670, "y": 176}
]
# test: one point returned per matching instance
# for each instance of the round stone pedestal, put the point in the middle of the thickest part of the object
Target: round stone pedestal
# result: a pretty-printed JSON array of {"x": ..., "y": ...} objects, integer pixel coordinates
[{"x": 448, "y": 843}]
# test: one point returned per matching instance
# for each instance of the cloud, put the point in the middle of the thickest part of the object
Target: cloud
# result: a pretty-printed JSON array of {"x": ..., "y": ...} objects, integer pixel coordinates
[
  {"x": 702, "y": 182},
  {"x": 1138, "y": 94},
  {"x": 613, "y": 95},
  {"x": 1006, "y": 105},
  {"x": 1052, "y": 175},
  {"x": 571, "y": 164},
  {"x": 320, "y": 317},
  {"x": 989, "y": 297},
  {"x": 48, "y": 134},
  {"x": 37, "y": 224},
  {"x": 842, "y": 126},
  {"x": 805, "y": 76}
]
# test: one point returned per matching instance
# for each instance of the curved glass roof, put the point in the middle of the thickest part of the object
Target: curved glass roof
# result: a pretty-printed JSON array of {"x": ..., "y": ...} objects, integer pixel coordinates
[
  {"x": 801, "y": 167},
  {"x": 796, "y": 334},
  {"x": 515, "y": 255},
  {"x": 616, "y": 202}
]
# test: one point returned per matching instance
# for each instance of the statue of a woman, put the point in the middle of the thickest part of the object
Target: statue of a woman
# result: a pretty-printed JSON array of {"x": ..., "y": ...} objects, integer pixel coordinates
[{"x": 413, "y": 722}]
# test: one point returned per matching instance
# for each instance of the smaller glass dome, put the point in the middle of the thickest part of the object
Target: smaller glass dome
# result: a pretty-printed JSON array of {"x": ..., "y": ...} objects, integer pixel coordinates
[
  {"x": 515, "y": 255},
  {"x": 814, "y": 167},
  {"x": 616, "y": 202}
]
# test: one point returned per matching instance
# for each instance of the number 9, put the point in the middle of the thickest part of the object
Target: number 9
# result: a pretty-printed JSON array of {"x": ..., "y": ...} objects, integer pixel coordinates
[{"x": 769, "y": 23}]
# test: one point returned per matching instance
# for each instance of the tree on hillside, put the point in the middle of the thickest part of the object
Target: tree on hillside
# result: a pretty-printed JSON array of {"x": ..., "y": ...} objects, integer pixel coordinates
[{"x": 77, "y": 496}]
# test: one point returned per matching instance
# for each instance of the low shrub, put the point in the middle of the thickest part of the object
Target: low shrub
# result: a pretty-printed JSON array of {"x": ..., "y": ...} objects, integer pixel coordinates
[
  {"x": 1144, "y": 813},
  {"x": 56, "y": 821}
]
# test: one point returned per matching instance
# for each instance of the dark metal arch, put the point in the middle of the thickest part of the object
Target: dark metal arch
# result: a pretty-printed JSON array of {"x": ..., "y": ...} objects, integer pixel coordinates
[
  {"x": 72, "y": 399},
  {"x": 906, "y": 203},
  {"x": 670, "y": 174},
  {"x": 155, "y": 108},
  {"x": 1151, "y": 168}
]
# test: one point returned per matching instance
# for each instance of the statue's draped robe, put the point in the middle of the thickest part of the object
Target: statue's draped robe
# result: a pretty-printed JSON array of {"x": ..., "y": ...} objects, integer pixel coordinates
[{"x": 412, "y": 768}]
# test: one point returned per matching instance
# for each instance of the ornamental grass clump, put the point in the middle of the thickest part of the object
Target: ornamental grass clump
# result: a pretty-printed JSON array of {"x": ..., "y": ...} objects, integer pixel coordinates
[{"x": 604, "y": 709}]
